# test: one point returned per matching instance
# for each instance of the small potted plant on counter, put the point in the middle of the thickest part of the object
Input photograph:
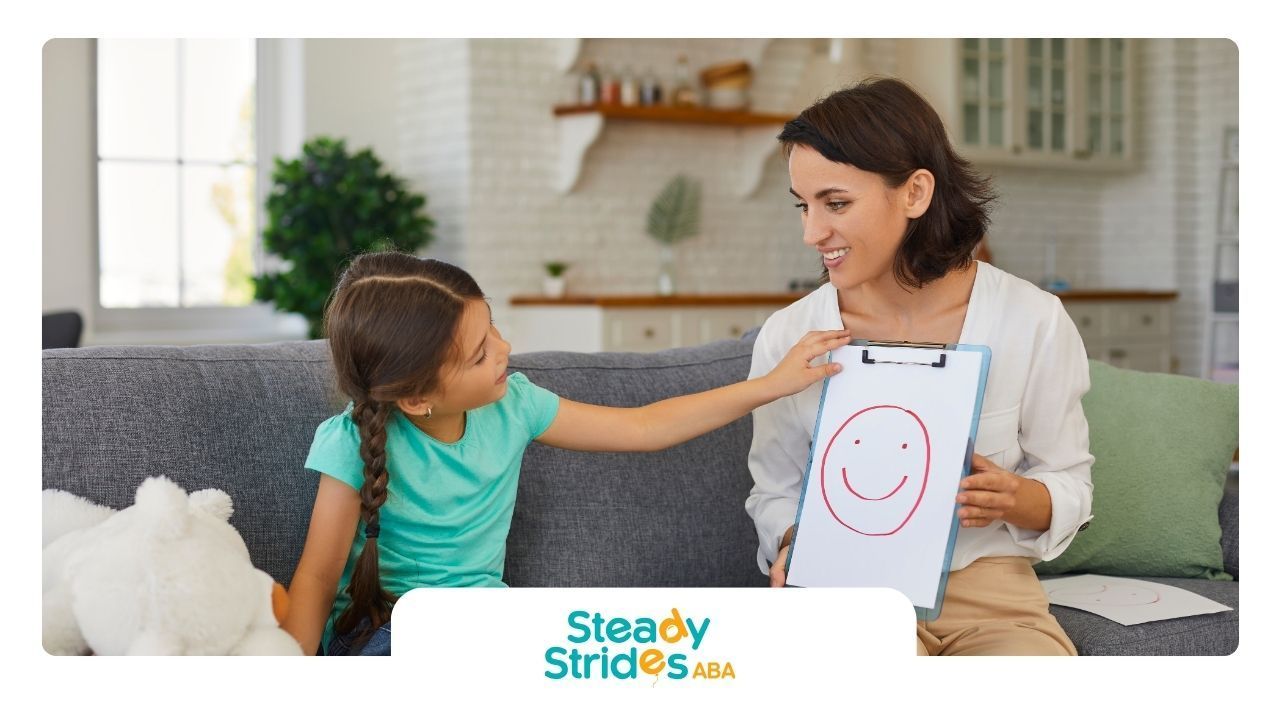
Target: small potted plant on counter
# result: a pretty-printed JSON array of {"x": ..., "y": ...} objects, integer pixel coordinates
[
  {"x": 553, "y": 282},
  {"x": 674, "y": 216}
]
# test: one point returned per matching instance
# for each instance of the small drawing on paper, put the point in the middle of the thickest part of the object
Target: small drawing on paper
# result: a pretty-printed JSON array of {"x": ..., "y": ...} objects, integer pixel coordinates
[
  {"x": 875, "y": 470},
  {"x": 1107, "y": 595}
]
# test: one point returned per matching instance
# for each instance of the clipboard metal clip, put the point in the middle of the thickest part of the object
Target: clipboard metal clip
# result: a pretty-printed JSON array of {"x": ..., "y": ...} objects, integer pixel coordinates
[{"x": 942, "y": 357}]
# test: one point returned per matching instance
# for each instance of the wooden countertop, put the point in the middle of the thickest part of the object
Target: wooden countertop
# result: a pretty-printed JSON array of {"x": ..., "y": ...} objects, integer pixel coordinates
[
  {"x": 782, "y": 299},
  {"x": 661, "y": 300},
  {"x": 1102, "y": 294}
]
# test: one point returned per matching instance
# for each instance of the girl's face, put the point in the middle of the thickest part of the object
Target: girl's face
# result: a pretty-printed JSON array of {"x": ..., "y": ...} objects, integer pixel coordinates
[
  {"x": 477, "y": 375},
  {"x": 850, "y": 216}
]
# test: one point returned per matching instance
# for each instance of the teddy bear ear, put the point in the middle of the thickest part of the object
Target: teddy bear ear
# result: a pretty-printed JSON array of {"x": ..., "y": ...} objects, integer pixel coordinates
[
  {"x": 163, "y": 503},
  {"x": 215, "y": 502}
]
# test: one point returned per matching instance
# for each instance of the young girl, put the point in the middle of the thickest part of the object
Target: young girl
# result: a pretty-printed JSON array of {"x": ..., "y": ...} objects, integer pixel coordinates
[{"x": 418, "y": 475}]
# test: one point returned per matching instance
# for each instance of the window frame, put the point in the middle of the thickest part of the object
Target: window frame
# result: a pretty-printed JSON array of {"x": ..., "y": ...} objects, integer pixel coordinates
[{"x": 278, "y": 125}]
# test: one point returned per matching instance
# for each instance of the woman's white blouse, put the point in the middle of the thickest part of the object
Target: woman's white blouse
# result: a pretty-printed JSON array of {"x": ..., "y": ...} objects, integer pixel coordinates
[{"x": 1032, "y": 422}]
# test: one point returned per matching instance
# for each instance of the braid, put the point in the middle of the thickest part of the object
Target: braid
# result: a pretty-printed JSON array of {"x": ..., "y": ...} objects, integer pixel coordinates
[
  {"x": 368, "y": 598},
  {"x": 380, "y": 299}
]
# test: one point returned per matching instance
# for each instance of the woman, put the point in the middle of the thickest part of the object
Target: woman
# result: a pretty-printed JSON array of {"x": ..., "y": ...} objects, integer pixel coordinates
[{"x": 896, "y": 215}]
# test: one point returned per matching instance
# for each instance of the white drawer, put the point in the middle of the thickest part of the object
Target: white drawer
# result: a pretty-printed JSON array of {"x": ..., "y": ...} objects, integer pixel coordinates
[
  {"x": 1088, "y": 317},
  {"x": 639, "y": 330},
  {"x": 708, "y": 325},
  {"x": 1137, "y": 320},
  {"x": 1152, "y": 357}
]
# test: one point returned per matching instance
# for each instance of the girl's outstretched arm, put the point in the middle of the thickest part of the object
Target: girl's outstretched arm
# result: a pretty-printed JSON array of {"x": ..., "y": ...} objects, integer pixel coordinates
[
  {"x": 315, "y": 581},
  {"x": 659, "y": 425}
]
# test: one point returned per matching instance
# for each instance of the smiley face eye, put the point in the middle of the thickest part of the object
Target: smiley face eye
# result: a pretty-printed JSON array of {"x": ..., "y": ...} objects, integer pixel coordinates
[
  {"x": 904, "y": 446},
  {"x": 857, "y": 442}
]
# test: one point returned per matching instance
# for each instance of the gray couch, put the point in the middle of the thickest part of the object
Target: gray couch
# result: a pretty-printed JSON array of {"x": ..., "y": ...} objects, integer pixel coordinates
[{"x": 241, "y": 418}]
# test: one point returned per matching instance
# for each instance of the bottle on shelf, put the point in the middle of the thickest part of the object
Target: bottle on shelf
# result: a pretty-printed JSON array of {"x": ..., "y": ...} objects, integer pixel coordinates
[
  {"x": 629, "y": 89},
  {"x": 589, "y": 86},
  {"x": 650, "y": 89},
  {"x": 610, "y": 88},
  {"x": 683, "y": 94}
]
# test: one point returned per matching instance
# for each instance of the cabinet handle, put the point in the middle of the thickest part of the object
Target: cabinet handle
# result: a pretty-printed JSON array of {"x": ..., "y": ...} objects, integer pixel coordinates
[
  {"x": 735, "y": 331},
  {"x": 1147, "y": 319},
  {"x": 648, "y": 332},
  {"x": 1117, "y": 354},
  {"x": 1085, "y": 322}
]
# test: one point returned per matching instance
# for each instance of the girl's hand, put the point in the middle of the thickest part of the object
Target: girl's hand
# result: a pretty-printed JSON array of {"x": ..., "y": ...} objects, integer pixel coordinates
[
  {"x": 793, "y": 373},
  {"x": 778, "y": 570},
  {"x": 987, "y": 495}
]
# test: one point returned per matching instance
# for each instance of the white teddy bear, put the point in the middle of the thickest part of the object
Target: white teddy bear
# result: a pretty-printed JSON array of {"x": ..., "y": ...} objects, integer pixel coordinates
[{"x": 167, "y": 576}]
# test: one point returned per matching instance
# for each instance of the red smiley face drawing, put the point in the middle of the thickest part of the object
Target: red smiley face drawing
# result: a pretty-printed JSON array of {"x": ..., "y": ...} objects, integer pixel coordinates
[{"x": 875, "y": 470}]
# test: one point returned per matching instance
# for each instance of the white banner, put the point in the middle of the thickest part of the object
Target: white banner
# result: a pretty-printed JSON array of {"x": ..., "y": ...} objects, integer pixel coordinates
[{"x": 481, "y": 638}]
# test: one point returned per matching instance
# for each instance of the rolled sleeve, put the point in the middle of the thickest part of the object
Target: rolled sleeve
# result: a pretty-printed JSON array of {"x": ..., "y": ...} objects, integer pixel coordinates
[
  {"x": 776, "y": 460},
  {"x": 1054, "y": 436}
]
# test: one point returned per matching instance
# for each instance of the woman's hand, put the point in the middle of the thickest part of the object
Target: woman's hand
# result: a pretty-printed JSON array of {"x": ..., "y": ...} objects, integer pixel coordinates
[
  {"x": 793, "y": 373},
  {"x": 988, "y": 495}
]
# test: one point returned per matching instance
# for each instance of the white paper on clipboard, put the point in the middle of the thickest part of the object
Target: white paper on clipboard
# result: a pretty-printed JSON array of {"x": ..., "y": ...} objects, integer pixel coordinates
[{"x": 891, "y": 444}]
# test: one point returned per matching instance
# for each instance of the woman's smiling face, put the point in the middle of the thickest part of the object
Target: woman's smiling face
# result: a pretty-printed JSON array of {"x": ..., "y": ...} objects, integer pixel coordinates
[{"x": 849, "y": 216}]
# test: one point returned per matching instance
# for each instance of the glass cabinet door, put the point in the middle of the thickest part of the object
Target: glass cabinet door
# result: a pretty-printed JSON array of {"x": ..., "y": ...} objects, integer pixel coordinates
[
  {"x": 1053, "y": 99},
  {"x": 1106, "y": 109},
  {"x": 1046, "y": 95},
  {"x": 984, "y": 91}
]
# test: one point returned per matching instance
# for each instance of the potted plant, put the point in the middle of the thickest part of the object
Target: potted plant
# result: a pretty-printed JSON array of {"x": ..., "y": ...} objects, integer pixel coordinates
[
  {"x": 553, "y": 282},
  {"x": 326, "y": 207},
  {"x": 674, "y": 216}
]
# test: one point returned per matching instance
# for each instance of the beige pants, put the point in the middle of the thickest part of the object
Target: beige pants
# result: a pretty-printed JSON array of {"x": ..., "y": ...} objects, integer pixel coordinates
[{"x": 995, "y": 606}]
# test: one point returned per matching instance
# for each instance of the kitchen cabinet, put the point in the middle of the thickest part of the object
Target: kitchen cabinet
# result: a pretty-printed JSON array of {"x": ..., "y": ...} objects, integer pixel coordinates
[
  {"x": 1033, "y": 102},
  {"x": 629, "y": 323},
  {"x": 1131, "y": 330}
]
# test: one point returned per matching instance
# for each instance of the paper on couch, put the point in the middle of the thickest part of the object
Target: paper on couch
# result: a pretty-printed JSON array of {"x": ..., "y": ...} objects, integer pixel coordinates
[{"x": 1125, "y": 600}]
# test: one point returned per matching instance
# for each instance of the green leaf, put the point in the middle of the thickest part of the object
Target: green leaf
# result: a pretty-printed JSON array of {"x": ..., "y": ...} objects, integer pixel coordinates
[
  {"x": 676, "y": 212},
  {"x": 325, "y": 207}
]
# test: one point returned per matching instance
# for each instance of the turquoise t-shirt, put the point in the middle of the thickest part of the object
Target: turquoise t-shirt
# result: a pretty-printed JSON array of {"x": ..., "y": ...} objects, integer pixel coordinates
[{"x": 449, "y": 505}]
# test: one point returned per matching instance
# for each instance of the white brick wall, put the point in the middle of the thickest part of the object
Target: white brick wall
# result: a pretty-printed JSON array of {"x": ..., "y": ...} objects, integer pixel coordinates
[
  {"x": 1218, "y": 106},
  {"x": 477, "y": 135}
]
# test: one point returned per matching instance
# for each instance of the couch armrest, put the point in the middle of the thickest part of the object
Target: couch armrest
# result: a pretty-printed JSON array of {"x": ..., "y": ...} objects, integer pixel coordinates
[{"x": 1229, "y": 519}]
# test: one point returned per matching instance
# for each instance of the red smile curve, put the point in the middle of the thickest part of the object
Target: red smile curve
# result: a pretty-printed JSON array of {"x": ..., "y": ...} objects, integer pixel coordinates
[{"x": 844, "y": 472}]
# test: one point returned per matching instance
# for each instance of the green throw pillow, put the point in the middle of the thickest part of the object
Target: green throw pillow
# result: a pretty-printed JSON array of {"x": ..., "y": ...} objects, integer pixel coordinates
[{"x": 1163, "y": 445}]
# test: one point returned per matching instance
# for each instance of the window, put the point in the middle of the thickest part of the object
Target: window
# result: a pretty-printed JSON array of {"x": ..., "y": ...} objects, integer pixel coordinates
[{"x": 177, "y": 165}]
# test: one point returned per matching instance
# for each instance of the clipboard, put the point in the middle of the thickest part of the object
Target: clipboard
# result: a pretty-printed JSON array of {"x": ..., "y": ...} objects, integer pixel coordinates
[{"x": 901, "y": 555}]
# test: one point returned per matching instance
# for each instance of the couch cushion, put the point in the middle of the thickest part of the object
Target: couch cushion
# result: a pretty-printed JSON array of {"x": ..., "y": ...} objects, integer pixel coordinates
[
  {"x": 668, "y": 518},
  {"x": 1216, "y": 634},
  {"x": 235, "y": 417},
  {"x": 1163, "y": 445}
]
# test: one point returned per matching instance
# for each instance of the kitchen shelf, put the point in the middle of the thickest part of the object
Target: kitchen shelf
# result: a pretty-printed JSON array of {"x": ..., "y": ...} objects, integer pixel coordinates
[
  {"x": 672, "y": 114},
  {"x": 579, "y": 126}
]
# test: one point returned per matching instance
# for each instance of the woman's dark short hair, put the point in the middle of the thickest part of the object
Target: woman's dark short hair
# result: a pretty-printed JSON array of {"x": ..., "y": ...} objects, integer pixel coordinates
[{"x": 883, "y": 126}]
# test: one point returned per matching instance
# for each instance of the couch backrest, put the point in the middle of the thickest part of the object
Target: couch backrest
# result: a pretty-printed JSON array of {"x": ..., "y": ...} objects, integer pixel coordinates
[
  {"x": 235, "y": 417},
  {"x": 241, "y": 418},
  {"x": 668, "y": 518}
]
